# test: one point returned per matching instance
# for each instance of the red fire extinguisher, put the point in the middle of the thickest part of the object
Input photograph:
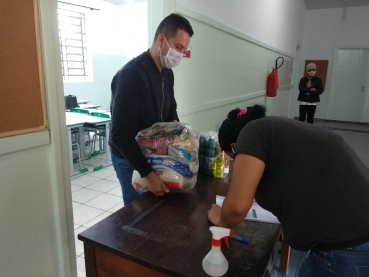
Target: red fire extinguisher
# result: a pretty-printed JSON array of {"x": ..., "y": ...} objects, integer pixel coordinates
[{"x": 273, "y": 83}]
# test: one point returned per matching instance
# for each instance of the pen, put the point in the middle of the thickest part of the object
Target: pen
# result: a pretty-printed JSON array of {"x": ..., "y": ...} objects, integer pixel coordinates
[
  {"x": 240, "y": 239},
  {"x": 254, "y": 213}
]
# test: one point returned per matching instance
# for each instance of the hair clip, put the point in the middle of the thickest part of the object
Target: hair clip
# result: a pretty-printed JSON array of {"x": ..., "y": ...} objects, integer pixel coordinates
[{"x": 242, "y": 111}]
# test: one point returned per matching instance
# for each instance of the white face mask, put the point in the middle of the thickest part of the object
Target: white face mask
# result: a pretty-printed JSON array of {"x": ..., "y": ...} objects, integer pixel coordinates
[{"x": 172, "y": 59}]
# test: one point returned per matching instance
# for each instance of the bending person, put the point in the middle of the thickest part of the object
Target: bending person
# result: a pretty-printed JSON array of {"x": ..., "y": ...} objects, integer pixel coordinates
[{"x": 306, "y": 176}]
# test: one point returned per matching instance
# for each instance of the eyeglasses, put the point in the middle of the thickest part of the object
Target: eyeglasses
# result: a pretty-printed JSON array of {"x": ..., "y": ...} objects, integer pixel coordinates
[{"x": 311, "y": 70}]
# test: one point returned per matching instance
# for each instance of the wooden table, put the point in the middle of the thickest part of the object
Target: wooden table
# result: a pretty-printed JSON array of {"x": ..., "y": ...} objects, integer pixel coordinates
[{"x": 169, "y": 236}]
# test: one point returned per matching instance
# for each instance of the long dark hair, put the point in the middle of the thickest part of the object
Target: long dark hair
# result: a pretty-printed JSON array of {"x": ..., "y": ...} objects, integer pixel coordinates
[{"x": 232, "y": 126}]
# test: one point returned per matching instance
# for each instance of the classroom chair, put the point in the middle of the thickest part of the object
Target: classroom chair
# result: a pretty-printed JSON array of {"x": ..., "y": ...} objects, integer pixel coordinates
[
  {"x": 99, "y": 134},
  {"x": 75, "y": 146}
]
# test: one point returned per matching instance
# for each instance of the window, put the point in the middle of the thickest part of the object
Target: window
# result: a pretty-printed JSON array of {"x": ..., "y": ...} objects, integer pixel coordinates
[{"x": 73, "y": 50}]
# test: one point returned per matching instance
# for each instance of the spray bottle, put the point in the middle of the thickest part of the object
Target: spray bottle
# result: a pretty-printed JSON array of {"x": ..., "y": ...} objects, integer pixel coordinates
[{"x": 214, "y": 263}]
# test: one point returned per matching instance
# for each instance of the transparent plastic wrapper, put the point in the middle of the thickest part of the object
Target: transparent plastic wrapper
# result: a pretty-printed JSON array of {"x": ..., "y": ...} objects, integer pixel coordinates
[
  {"x": 209, "y": 150},
  {"x": 172, "y": 149}
]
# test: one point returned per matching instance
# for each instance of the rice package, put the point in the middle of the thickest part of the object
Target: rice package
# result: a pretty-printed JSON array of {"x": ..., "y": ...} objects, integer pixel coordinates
[{"x": 172, "y": 149}]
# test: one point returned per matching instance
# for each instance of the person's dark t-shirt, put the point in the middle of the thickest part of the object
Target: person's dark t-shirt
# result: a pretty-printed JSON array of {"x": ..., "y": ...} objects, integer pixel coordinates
[{"x": 313, "y": 182}]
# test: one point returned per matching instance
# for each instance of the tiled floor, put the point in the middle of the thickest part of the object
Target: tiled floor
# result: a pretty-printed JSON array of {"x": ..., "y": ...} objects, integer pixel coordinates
[{"x": 97, "y": 194}]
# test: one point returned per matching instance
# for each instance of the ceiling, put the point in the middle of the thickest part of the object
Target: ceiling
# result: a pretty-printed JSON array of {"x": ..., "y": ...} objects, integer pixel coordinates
[
  {"x": 330, "y": 4},
  {"x": 118, "y": 2},
  {"x": 310, "y": 4}
]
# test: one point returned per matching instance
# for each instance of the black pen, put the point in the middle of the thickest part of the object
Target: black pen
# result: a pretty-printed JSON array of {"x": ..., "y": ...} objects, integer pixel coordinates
[{"x": 240, "y": 239}]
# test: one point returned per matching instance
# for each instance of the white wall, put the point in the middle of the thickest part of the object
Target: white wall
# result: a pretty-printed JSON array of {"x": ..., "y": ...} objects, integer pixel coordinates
[
  {"x": 327, "y": 28},
  {"x": 233, "y": 50},
  {"x": 278, "y": 23},
  {"x": 115, "y": 34}
]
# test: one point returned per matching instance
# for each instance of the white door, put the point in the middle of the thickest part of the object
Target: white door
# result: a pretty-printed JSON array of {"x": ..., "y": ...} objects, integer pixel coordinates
[{"x": 348, "y": 92}]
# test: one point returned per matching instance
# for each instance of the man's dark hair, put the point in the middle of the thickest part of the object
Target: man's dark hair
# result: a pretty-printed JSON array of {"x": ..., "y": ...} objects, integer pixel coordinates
[
  {"x": 170, "y": 24},
  {"x": 232, "y": 126}
]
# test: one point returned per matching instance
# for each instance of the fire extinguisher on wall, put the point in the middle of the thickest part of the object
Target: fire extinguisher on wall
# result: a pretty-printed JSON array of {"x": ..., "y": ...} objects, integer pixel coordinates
[{"x": 273, "y": 83}]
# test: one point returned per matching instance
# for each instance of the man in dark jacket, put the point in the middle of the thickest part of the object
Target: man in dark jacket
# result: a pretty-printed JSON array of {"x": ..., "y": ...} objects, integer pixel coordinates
[
  {"x": 310, "y": 88},
  {"x": 143, "y": 94}
]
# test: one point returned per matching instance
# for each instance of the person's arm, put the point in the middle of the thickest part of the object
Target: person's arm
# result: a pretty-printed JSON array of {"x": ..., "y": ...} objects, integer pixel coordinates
[
  {"x": 246, "y": 176},
  {"x": 127, "y": 93},
  {"x": 302, "y": 86},
  {"x": 318, "y": 90},
  {"x": 173, "y": 115}
]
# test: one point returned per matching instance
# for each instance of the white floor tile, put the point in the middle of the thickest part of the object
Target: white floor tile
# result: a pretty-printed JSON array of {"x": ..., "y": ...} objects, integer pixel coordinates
[
  {"x": 117, "y": 191},
  {"x": 79, "y": 243},
  {"x": 75, "y": 204},
  {"x": 113, "y": 178},
  {"x": 116, "y": 208},
  {"x": 83, "y": 195},
  {"x": 74, "y": 188},
  {"x": 84, "y": 180},
  {"x": 110, "y": 167},
  {"x": 103, "y": 186},
  {"x": 96, "y": 219},
  {"x": 83, "y": 214},
  {"x": 81, "y": 268},
  {"x": 102, "y": 173},
  {"x": 94, "y": 161},
  {"x": 105, "y": 202},
  {"x": 76, "y": 226}
]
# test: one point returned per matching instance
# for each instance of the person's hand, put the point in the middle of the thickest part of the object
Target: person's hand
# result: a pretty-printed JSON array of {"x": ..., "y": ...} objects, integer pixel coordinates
[
  {"x": 313, "y": 89},
  {"x": 214, "y": 214},
  {"x": 156, "y": 184}
]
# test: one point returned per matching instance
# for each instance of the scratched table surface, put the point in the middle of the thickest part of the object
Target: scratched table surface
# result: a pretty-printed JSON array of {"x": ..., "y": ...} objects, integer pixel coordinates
[{"x": 170, "y": 234}]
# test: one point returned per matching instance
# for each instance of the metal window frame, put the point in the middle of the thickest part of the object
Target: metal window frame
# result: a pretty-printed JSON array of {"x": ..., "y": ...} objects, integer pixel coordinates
[{"x": 64, "y": 46}]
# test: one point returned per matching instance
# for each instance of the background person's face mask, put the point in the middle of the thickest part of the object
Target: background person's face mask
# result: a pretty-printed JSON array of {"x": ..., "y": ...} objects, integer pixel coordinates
[{"x": 172, "y": 59}]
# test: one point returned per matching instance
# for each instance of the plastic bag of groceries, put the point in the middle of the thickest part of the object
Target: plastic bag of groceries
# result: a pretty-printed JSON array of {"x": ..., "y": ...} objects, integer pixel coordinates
[{"x": 172, "y": 149}]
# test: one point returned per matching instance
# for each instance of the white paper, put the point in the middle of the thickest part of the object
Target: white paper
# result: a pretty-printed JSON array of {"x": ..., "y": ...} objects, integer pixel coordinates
[{"x": 259, "y": 214}]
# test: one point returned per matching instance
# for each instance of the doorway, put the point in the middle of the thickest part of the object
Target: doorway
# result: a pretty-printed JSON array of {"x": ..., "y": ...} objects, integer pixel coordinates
[{"x": 349, "y": 84}]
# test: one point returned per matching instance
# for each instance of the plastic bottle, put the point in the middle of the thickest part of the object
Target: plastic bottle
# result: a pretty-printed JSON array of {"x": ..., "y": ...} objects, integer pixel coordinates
[
  {"x": 202, "y": 153},
  {"x": 210, "y": 155},
  {"x": 214, "y": 263},
  {"x": 219, "y": 163}
]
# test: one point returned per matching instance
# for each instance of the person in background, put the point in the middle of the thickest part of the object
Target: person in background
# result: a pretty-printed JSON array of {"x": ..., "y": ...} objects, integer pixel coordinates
[
  {"x": 143, "y": 94},
  {"x": 309, "y": 178},
  {"x": 310, "y": 88}
]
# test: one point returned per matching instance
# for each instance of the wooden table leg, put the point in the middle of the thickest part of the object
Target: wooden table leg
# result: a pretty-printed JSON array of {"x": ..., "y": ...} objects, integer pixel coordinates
[
  {"x": 285, "y": 257},
  {"x": 90, "y": 261}
]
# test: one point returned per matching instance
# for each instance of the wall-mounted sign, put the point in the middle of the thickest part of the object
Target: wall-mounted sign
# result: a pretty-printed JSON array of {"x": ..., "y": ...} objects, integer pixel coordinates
[{"x": 187, "y": 52}]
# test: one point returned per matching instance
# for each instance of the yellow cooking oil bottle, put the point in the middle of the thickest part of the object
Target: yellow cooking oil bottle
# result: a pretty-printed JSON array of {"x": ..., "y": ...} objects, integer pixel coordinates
[{"x": 219, "y": 163}]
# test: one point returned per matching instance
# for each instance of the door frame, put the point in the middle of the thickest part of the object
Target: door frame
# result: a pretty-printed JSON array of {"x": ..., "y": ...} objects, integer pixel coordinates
[
  {"x": 334, "y": 72},
  {"x": 297, "y": 71}
]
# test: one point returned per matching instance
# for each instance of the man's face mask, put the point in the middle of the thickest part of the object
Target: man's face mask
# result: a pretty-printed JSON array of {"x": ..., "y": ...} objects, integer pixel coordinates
[{"x": 172, "y": 59}]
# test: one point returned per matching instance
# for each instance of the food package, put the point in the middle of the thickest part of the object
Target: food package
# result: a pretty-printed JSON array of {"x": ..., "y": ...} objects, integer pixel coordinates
[
  {"x": 172, "y": 179},
  {"x": 172, "y": 149}
]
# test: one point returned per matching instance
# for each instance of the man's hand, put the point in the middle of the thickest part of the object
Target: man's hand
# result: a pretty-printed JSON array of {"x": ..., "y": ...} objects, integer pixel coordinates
[
  {"x": 214, "y": 214},
  {"x": 313, "y": 89},
  {"x": 156, "y": 184}
]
